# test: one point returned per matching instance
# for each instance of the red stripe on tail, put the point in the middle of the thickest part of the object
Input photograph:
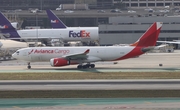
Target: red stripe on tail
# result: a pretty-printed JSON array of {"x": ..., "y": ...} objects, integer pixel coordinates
[{"x": 150, "y": 37}]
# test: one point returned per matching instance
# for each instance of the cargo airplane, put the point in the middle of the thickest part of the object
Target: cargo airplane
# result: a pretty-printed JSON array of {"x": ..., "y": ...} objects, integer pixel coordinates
[
  {"x": 7, "y": 31},
  {"x": 86, "y": 55},
  {"x": 56, "y": 23}
]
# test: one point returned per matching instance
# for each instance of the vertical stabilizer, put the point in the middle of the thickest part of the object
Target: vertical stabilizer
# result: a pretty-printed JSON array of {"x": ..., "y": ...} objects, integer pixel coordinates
[
  {"x": 4, "y": 22},
  {"x": 149, "y": 38},
  {"x": 6, "y": 29},
  {"x": 55, "y": 21}
]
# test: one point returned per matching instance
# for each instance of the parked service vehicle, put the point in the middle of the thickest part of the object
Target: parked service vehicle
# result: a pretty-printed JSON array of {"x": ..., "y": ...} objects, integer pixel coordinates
[
  {"x": 101, "y": 11},
  {"x": 115, "y": 11},
  {"x": 68, "y": 11},
  {"x": 131, "y": 11},
  {"x": 72, "y": 7}
]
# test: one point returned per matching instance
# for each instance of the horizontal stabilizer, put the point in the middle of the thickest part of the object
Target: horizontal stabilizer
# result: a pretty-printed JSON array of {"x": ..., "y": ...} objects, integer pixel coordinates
[{"x": 169, "y": 42}]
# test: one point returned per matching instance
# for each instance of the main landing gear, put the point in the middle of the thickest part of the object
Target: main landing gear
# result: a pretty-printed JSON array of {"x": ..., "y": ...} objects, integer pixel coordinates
[
  {"x": 29, "y": 65},
  {"x": 85, "y": 66}
]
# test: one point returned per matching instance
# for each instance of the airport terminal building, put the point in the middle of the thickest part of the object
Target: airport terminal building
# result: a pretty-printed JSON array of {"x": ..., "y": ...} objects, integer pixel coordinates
[
  {"x": 114, "y": 28},
  {"x": 126, "y": 30},
  {"x": 151, "y": 3}
]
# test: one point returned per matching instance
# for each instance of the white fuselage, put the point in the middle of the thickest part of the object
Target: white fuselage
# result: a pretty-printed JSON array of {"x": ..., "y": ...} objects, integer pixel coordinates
[
  {"x": 67, "y": 34},
  {"x": 98, "y": 53},
  {"x": 1, "y": 44}
]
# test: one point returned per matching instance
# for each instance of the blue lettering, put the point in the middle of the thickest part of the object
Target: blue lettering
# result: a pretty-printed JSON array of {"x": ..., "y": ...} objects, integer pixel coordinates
[{"x": 82, "y": 33}]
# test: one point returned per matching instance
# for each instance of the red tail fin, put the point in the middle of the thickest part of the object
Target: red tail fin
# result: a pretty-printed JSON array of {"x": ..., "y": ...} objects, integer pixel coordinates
[{"x": 150, "y": 37}]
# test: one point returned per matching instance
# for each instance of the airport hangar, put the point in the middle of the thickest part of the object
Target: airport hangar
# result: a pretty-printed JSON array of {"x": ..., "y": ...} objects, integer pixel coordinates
[{"x": 114, "y": 28}]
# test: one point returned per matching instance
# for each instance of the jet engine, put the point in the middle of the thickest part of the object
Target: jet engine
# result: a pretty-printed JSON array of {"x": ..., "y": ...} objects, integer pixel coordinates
[{"x": 59, "y": 62}]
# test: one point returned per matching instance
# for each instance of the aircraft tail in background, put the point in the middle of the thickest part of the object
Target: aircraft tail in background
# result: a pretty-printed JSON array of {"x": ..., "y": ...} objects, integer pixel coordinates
[
  {"x": 4, "y": 23},
  {"x": 55, "y": 21},
  {"x": 149, "y": 38},
  {"x": 6, "y": 29}
]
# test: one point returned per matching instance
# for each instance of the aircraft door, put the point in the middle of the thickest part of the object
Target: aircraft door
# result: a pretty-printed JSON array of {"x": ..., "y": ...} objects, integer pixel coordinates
[
  {"x": 36, "y": 57},
  {"x": 26, "y": 55}
]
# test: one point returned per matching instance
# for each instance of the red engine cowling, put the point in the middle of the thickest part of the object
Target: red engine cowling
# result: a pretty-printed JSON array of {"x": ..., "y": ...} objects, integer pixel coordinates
[{"x": 59, "y": 62}]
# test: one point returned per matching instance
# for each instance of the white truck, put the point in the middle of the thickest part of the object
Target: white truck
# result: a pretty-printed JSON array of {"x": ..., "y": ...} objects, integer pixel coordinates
[{"x": 72, "y": 7}]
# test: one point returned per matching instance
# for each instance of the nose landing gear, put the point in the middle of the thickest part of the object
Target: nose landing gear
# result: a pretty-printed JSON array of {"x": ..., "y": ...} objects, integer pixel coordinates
[{"x": 29, "y": 65}]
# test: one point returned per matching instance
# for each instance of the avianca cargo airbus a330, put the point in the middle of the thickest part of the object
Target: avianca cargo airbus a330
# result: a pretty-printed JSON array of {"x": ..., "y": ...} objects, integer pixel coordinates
[
  {"x": 84, "y": 56},
  {"x": 45, "y": 35}
]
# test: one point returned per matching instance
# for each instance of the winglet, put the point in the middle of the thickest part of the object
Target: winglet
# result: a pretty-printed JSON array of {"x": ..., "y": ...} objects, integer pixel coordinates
[
  {"x": 55, "y": 21},
  {"x": 87, "y": 51},
  {"x": 150, "y": 37}
]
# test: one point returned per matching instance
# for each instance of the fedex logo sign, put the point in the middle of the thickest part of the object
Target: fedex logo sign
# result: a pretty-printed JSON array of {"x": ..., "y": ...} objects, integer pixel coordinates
[
  {"x": 54, "y": 21},
  {"x": 3, "y": 27},
  {"x": 82, "y": 34}
]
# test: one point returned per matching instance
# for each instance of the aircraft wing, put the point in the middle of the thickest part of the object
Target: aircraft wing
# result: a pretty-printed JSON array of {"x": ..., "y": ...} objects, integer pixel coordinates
[
  {"x": 75, "y": 56},
  {"x": 169, "y": 42}
]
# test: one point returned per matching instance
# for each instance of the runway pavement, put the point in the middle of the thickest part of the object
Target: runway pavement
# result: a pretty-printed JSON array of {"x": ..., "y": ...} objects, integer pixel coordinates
[
  {"x": 147, "y": 62},
  {"x": 148, "y": 84}
]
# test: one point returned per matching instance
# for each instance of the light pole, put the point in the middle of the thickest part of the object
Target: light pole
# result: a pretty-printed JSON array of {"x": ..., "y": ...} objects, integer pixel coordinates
[
  {"x": 41, "y": 4},
  {"x": 36, "y": 19},
  {"x": 36, "y": 28}
]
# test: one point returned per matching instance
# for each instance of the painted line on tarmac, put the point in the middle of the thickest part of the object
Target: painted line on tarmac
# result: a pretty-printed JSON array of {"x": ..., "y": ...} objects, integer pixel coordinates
[{"x": 92, "y": 70}]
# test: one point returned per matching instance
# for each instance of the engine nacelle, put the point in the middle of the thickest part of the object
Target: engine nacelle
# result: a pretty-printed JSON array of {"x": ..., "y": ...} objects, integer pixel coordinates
[{"x": 59, "y": 62}]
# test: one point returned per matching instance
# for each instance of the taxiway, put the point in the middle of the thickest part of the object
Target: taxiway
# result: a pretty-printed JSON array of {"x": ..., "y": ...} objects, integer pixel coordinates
[
  {"x": 148, "y": 84},
  {"x": 147, "y": 62}
]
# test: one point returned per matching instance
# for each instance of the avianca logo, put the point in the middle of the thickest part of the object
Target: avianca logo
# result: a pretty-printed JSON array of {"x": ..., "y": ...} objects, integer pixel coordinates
[
  {"x": 55, "y": 51},
  {"x": 54, "y": 21},
  {"x": 30, "y": 52},
  {"x": 43, "y": 51},
  {"x": 82, "y": 34},
  {"x": 3, "y": 27}
]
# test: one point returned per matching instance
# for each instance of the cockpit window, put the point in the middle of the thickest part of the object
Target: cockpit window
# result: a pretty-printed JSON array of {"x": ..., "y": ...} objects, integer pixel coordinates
[{"x": 17, "y": 52}]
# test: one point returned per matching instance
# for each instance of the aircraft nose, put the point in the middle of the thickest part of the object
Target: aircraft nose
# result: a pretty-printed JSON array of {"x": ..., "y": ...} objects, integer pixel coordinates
[{"x": 14, "y": 55}]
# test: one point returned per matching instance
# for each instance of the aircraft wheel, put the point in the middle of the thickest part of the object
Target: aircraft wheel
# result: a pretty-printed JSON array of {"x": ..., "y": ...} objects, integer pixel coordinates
[
  {"x": 92, "y": 65},
  {"x": 79, "y": 66},
  {"x": 88, "y": 65},
  {"x": 29, "y": 67},
  {"x": 85, "y": 66}
]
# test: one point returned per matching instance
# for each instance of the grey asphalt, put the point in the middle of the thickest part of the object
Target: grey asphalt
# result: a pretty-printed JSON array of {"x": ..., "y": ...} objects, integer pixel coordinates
[
  {"x": 146, "y": 63},
  {"x": 145, "y": 84}
]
